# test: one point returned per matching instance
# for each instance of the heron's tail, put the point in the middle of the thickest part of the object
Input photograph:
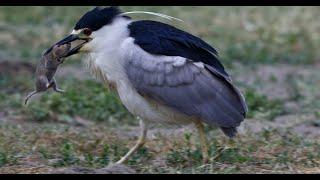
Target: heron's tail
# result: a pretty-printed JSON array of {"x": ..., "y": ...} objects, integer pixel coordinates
[{"x": 230, "y": 132}]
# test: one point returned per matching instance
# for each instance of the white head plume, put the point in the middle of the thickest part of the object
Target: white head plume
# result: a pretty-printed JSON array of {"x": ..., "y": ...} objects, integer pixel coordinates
[{"x": 153, "y": 13}]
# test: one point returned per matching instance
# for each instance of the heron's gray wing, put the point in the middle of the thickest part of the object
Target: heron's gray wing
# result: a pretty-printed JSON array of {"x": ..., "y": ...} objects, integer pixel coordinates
[{"x": 189, "y": 88}]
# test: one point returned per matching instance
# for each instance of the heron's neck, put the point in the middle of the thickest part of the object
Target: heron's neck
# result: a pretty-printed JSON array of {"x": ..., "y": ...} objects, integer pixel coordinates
[{"x": 105, "y": 60}]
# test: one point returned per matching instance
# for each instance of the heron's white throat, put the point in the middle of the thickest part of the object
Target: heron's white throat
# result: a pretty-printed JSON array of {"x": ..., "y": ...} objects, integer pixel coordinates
[{"x": 105, "y": 52}]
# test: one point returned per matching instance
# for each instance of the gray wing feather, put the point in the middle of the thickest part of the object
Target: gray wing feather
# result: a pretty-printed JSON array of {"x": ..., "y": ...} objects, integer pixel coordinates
[{"x": 189, "y": 89}]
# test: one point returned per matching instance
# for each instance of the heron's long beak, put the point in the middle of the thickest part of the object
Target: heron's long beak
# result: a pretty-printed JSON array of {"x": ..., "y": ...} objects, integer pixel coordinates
[{"x": 72, "y": 38}]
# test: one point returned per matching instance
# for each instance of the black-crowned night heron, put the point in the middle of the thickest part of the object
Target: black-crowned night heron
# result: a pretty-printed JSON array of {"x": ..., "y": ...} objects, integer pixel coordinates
[{"x": 161, "y": 74}]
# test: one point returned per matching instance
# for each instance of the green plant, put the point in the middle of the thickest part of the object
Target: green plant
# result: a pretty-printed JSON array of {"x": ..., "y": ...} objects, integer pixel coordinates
[
  {"x": 260, "y": 106},
  {"x": 3, "y": 158}
]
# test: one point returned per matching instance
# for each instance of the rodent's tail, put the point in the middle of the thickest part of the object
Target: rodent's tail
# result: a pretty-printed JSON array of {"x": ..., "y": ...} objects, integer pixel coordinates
[{"x": 29, "y": 96}]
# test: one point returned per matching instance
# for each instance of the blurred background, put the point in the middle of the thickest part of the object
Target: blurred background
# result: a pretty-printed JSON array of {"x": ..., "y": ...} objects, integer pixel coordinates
[{"x": 272, "y": 54}]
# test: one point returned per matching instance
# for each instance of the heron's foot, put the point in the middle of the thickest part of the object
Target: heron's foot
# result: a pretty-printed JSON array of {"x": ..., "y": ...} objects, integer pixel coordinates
[
  {"x": 139, "y": 144},
  {"x": 131, "y": 151},
  {"x": 229, "y": 145},
  {"x": 205, "y": 159},
  {"x": 220, "y": 152}
]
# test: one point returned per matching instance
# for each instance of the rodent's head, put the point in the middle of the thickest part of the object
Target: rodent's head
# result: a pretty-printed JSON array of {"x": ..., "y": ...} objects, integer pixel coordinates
[
  {"x": 60, "y": 51},
  {"x": 54, "y": 58}
]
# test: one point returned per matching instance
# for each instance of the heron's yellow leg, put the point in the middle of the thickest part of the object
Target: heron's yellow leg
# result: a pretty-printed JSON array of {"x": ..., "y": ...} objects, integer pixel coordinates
[
  {"x": 139, "y": 143},
  {"x": 203, "y": 141}
]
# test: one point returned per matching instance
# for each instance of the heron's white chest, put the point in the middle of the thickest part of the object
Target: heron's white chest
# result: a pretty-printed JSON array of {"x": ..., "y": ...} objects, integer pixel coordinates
[{"x": 110, "y": 69}]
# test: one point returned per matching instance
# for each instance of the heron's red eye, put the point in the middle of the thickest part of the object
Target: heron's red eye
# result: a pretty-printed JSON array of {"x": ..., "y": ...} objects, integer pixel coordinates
[{"x": 87, "y": 31}]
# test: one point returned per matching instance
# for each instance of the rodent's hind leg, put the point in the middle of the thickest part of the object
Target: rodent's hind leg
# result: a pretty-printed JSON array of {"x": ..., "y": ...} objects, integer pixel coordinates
[
  {"x": 29, "y": 96},
  {"x": 55, "y": 86}
]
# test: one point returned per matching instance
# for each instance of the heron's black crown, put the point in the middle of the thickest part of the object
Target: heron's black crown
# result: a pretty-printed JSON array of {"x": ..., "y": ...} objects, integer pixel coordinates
[{"x": 97, "y": 18}]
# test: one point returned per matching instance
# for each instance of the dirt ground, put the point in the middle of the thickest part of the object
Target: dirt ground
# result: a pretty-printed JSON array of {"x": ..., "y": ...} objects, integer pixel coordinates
[{"x": 275, "y": 82}]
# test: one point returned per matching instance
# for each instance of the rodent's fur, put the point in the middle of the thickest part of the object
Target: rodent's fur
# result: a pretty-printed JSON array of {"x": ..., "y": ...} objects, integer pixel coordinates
[{"x": 46, "y": 69}]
